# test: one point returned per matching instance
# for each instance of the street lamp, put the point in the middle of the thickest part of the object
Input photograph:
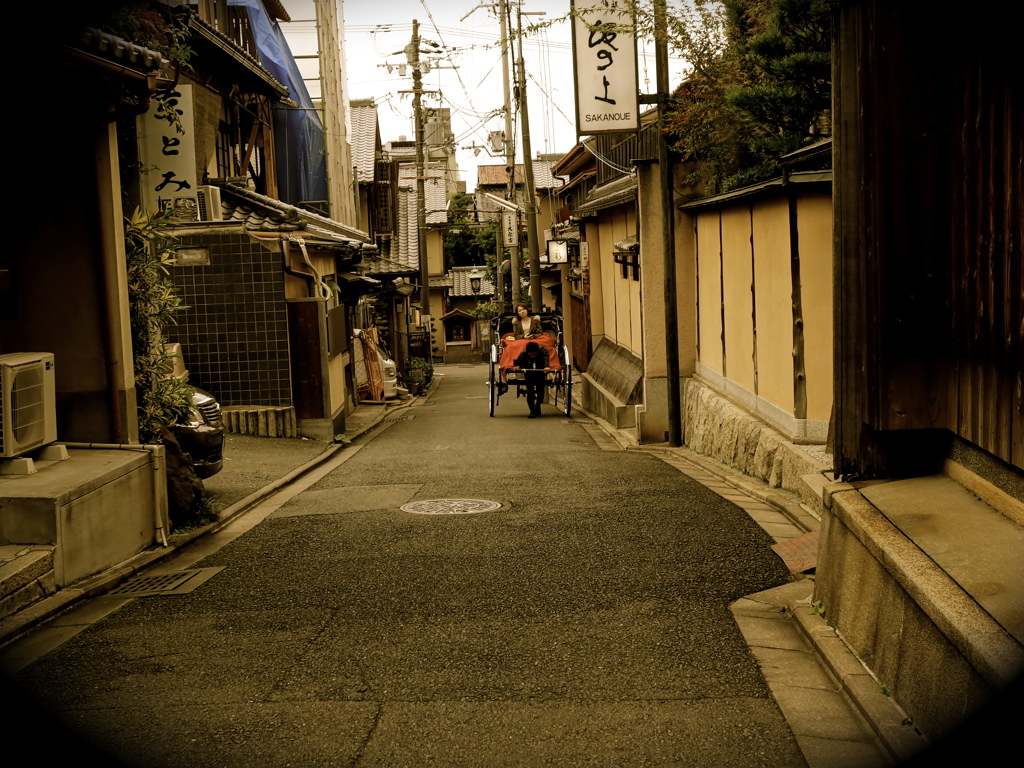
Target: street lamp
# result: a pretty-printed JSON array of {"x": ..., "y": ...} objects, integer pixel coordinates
[{"x": 474, "y": 280}]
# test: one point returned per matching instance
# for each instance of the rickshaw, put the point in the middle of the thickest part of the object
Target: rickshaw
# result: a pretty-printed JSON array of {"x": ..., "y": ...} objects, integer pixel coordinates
[{"x": 505, "y": 348}]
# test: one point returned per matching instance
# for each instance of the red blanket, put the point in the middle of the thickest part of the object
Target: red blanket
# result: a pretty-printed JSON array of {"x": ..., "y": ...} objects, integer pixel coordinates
[{"x": 516, "y": 347}]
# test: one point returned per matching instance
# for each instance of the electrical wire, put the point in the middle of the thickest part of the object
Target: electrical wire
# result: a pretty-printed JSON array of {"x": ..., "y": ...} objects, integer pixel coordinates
[{"x": 605, "y": 160}]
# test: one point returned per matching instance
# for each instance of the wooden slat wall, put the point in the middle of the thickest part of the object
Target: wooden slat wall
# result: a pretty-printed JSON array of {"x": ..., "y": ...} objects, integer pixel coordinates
[
  {"x": 928, "y": 154},
  {"x": 986, "y": 294}
]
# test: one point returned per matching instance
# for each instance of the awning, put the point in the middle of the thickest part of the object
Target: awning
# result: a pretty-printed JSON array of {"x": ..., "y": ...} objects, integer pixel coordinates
[
  {"x": 351, "y": 285},
  {"x": 352, "y": 278}
]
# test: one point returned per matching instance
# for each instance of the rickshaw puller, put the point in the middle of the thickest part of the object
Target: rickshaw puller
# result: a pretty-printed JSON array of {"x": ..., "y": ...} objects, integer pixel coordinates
[{"x": 534, "y": 364}]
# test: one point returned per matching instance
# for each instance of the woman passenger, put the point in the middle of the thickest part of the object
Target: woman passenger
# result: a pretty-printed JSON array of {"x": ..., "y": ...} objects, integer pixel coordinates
[{"x": 524, "y": 326}]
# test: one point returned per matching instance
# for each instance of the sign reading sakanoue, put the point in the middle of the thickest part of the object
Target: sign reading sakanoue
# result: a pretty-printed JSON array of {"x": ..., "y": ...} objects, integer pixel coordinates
[{"x": 604, "y": 64}]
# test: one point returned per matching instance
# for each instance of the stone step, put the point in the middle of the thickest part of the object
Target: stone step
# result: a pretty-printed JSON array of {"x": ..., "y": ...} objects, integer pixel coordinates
[{"x": 26, "y": 575}]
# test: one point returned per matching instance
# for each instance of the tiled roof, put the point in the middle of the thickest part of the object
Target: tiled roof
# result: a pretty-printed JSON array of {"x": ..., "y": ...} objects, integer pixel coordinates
[
  {"x": 542, "y": 176},
  {"x": 460, "y": 285},
  {"x": 266, "y": 214},
  {"x": 404, "y": 248},
  {"x": 615, "y": 192},
  {"x": 497, "y": 175},
  {"x": 441, "y": 281},
  {"x": 457, "y": 281},
  {"x": 364, "y": 139},
  {"x": 433, "y": 191},
  {"x": 379, "y": 265},
  {"x": 405, "y": 243},
  {"x": 111, "y": 47}
]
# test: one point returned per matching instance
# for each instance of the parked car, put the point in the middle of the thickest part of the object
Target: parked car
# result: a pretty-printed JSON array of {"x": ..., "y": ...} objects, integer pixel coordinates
[{"x": 202, "y": 436}]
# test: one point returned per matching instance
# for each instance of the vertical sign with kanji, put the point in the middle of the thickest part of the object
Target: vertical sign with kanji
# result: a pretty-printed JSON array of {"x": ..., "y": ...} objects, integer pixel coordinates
[
  {"x": 604, "y": 64},
  {"x": 585, "y": 268},
  {"x": 510, "y": 229},
  {"x": 168, "y": 156}
]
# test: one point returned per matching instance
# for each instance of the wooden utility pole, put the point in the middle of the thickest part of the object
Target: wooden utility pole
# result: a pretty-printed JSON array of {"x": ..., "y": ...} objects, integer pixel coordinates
[
  {"x": 530, "y": 191},
  {"x": 675, "y": 424},
  {"x": 413, "y": 57},
  {"x": 510, "y": 151}
]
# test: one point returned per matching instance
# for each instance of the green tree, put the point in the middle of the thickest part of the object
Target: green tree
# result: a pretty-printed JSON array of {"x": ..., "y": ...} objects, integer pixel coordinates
[
  {"x": 163, "y": 400},
  {"x": 786, "y": 51},
  {"x": 467, "y": 243},
  {"x": 759, "y": 87},
  {"x": 460, "y": 247}
]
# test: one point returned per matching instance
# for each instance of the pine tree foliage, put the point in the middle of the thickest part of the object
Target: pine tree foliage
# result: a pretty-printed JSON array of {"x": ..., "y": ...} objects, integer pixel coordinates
[{"x": 763, "y": 92}]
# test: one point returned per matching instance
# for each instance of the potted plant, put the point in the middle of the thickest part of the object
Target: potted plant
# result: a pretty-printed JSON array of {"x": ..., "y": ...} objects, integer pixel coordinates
[{"x": 418, "y": 374}]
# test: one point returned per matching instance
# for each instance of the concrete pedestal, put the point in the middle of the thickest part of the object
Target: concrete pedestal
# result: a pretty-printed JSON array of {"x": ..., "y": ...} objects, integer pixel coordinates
[{"x": 96, "y": 509}]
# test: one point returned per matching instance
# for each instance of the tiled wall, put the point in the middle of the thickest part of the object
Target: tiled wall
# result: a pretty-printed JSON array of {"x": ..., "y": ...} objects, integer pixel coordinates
[{"x": 234, "y": 335}]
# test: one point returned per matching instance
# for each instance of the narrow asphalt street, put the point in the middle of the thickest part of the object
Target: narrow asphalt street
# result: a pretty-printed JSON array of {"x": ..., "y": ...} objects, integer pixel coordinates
[{"x": 584, "y": 621}]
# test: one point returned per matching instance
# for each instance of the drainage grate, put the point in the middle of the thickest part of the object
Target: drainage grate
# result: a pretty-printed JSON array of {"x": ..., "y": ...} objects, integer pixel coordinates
[
  {"x": 399, "y": 417},
  {"x": 177, "y": 583},
  {"x": 450, "y": 506}
]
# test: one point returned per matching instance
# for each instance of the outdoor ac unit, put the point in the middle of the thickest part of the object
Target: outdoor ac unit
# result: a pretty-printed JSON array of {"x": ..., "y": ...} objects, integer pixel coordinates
[
  {"x": 209, "y": 203},
  {"x": 28, "y": 414}
]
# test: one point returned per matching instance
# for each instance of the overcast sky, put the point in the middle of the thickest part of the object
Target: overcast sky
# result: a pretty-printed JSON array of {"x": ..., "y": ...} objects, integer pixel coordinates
[{"x": 376, "y": 29}]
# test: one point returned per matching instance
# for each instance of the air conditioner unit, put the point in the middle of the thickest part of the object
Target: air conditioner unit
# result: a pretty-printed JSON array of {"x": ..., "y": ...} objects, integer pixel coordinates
[
  {"x": 209, "y": 203},
  {"x": 28, "y": 413}
]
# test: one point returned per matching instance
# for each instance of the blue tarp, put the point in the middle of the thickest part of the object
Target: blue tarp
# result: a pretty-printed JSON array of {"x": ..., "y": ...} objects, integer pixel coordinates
[{"x": 298, "y": 133}]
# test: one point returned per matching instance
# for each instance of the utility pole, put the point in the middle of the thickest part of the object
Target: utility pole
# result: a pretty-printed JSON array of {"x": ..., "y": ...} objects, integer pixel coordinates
[
  {"x": 528, "y": 181},
  {"x": 675, "y": 428},
  {"x": 510, "y": 150},
  {"x": 413, "y": 57}
]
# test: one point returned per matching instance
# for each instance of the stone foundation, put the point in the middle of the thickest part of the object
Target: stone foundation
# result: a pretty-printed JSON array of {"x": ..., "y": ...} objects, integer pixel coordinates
[{"x": 721, "y": 430}]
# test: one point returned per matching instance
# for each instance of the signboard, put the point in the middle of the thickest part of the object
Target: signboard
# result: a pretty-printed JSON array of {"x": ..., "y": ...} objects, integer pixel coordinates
[
  {"x": 169, "y": 156},
  {"x": 604, "y": 64},
  {"x": 557, "y": 252},
  {"x": 585, "y": 267},
  {"x": 510, "y": 229}
]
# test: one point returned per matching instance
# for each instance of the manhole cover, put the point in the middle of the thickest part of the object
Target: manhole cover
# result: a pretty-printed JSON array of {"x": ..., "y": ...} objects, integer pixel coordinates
[{"x": 450, "y": 506}]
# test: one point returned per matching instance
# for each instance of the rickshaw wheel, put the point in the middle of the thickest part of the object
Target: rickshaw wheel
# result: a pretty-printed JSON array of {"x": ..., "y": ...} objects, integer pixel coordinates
[
  {"x": 568, "y": 389},
  {"x": 492, "y": 389}
]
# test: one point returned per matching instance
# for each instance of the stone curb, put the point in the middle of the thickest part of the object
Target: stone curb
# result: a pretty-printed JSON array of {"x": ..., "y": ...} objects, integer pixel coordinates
[{"x": 888, "y": 722}]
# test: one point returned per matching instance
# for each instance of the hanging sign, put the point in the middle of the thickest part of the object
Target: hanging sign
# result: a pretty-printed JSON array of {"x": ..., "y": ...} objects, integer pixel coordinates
[
  {"x": 167, "y": 152},
  {"x": 604, "y": 66},
  {"x": 510, "y": 229}
]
